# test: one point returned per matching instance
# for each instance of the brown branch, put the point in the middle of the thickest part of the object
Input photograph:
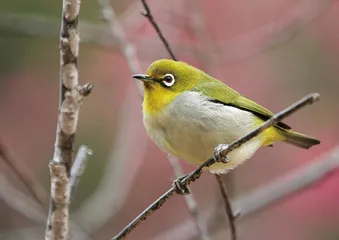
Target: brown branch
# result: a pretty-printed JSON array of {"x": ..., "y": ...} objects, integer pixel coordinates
[
  {"x": 22, "y": 172},
  {"x": 147, "y": 13},
  {"x": 309, "y": 99},
  {"x": 228, "y": 208},
  {"x": 191, "y": 203},
  {"x": 276, "y": 191},
  {"x": 71, "y": 97}
]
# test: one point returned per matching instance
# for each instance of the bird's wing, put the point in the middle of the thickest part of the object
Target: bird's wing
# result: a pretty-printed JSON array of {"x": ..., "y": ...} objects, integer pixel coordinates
[{"x": 220, "y": 93}]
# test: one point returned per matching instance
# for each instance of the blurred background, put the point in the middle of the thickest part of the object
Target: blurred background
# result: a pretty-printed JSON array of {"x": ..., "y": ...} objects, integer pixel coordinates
[{"x": 273, "y": 51}]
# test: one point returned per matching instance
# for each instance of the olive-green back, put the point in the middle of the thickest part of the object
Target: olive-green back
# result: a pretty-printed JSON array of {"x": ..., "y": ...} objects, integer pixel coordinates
[{"x": 221, "y": 93}]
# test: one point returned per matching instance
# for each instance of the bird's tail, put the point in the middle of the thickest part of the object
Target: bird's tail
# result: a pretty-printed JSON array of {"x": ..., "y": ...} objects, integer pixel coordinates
[{"x": 298, "y": 139}]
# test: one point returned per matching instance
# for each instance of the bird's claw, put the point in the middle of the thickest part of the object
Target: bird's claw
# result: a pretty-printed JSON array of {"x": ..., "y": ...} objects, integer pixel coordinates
[
  {"x": 218, "y": 156},
  {"x": 180, "y": 188}
]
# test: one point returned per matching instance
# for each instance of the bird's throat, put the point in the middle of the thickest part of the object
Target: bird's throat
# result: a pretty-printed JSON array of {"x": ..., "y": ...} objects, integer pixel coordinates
[{"x": 156, "y": 98}]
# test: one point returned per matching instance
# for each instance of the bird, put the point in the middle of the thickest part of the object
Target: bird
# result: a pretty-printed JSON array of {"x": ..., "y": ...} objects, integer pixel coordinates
[{"x": 187, "y": 113}]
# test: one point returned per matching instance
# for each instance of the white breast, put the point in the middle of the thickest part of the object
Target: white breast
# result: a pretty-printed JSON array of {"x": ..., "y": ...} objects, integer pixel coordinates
[{"x": 191, "y": 127}]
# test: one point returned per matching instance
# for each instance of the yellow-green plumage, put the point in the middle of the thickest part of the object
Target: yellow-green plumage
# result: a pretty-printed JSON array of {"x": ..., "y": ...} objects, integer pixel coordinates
[{"x": 189, "y": 118}]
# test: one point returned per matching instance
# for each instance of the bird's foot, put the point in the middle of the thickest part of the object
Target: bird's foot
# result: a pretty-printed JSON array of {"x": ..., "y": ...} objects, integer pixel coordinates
[
  {"x": 218, "y": 156},
  {"x": 181, "y": 188}
]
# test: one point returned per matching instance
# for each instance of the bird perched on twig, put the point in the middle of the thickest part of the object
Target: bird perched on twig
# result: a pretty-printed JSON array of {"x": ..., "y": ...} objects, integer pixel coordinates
[{"x": 188, "y": 113}]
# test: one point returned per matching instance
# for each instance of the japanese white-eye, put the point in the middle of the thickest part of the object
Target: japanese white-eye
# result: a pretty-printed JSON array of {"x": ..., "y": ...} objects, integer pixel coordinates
[{"x": 187, "y": 113}]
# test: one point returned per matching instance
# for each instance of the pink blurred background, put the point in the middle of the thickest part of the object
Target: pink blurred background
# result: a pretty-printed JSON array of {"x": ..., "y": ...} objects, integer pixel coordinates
[{"x": 273, "y": 51}]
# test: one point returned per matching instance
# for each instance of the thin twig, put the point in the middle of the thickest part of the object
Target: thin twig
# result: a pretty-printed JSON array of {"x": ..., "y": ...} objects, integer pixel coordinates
[
  {"x": 20, "y": 202},
  {"x": 190, "y": 201},
  {"x": 118, "y": 33},
  {"x": 147, "y": 13},
  {"x": 22, "y": 172},
  {"x": 309, "y": 99},
  {"x": 71, "y": 97},
  {"x": 228, "y": 208},
  {"x": 78, "y": 167},
  {"x": 276, "y": 191}
]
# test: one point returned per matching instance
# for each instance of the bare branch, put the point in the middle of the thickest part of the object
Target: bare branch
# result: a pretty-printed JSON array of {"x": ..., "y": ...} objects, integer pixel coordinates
[
  {"x": 71, "y": 97},
  {"x": 228, "y": 208},
  {"x": 20, "y": 201},
  {"x": 147, "y": 13},
  {"x": 190, "y": 201},
  {"x": 22, "y": 172},
  {"x": 272, "y": 193},
  {"x": 118, "y": 33},
  {"x": 78, "y": 167},
  {"x": 309, "y": 99}
]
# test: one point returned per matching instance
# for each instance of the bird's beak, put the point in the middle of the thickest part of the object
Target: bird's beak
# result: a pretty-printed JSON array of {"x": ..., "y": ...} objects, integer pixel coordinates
[{"x": 142, "y": 77}]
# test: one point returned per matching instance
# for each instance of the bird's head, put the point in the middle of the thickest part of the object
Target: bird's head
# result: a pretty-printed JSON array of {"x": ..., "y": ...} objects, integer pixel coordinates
[{"x": 165, "y": 80}]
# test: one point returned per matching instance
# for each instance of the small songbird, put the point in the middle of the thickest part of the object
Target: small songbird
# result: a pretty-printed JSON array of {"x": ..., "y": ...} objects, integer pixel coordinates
[{"x": 187, "y": 113}]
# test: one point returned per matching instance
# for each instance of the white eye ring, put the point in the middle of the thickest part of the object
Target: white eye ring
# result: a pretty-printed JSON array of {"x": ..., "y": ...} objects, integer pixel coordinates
[{"x": 168, "y": 80}]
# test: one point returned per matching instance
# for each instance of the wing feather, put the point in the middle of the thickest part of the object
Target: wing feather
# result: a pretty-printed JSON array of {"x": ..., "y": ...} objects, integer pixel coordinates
[{"x": 220, "y": 93}]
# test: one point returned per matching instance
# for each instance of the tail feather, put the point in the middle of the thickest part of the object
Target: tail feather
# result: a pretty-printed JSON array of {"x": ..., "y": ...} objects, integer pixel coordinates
[{"x": 299, "y": 139}]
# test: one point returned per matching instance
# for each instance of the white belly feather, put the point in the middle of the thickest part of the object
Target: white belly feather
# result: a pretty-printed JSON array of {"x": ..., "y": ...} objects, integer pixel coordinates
[{"x": 191, "y": 127}]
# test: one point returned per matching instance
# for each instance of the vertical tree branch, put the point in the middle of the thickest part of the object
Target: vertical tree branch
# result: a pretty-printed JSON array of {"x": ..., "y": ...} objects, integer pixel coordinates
[{"x": 71, "y": 97}]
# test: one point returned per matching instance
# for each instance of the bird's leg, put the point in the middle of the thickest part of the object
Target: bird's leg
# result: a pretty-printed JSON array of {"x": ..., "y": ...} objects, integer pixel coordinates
[
  {"x": 180, "y": 188},
  {"x": 217, "y": 154}
]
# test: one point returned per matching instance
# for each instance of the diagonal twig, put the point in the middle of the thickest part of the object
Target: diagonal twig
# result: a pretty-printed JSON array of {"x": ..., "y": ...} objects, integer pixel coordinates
[
  {"x": 274, "y": 192},
  {"x": 20, "y": 170},
  {"x": 147, "y": 13},
  {"x": 20, "y": 202},
  {"x": 191, "y": 203},
  {"x": 309, "y": 99}
]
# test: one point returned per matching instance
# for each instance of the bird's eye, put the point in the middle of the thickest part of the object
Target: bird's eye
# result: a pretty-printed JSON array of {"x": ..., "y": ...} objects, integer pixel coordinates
[{"x": 169, "y": 80}]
